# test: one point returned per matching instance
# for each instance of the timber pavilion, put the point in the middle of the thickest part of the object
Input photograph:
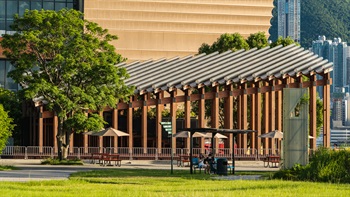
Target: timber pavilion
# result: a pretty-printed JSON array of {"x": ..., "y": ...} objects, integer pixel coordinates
[{"x": 249, "y": 84}]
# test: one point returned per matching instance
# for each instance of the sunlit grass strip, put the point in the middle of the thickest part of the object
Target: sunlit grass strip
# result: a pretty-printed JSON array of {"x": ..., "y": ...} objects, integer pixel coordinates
[
  {"x": 141, "y": 182},
  {"x": 171, "y": 186}
]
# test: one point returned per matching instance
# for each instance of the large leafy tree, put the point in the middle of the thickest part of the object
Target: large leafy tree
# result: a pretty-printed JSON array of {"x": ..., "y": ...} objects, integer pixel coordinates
[
  {"x": 6, "y": 127},
  {"x": 68, "y": 63}
]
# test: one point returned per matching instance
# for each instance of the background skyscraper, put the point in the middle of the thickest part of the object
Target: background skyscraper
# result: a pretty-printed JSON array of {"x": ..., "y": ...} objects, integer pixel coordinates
[{"x": 289, "y": 19}]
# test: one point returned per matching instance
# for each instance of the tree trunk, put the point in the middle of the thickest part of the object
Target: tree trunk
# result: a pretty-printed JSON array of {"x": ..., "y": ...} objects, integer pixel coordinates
[
  {"x": 67, "y": 142},
  {"x": 62, "y": 152}
]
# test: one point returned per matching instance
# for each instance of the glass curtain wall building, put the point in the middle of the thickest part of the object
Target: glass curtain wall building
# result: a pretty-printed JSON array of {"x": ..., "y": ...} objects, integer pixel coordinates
[
  {"x": 289, "y": 19},
  {"x": 8, "y": 8}
]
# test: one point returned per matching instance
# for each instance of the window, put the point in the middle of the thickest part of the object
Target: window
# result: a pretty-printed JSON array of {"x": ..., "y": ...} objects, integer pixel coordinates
[{"x": 23, "y": 6}]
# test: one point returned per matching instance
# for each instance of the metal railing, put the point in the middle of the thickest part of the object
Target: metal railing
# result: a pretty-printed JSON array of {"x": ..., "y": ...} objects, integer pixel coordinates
[{"x": 26, "y": 152}]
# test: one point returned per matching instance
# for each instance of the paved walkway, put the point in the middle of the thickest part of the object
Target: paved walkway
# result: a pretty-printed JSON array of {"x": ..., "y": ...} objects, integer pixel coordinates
[{"x": 33, "y": 170}]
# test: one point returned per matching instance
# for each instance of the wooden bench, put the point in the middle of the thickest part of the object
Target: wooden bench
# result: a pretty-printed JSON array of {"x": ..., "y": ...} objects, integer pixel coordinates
[{"x": 108, "y": 158}]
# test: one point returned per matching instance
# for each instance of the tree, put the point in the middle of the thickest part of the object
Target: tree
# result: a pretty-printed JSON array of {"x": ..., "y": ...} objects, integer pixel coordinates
[
  {"x": 68, "y": 63},
  {"x": 6, "y": 127},
  {"x": 12, "y": 103},
  {"x": 283, "y": 41},
  {"x": 257, "y": 40},
  {"x": 224, "y": 43}
]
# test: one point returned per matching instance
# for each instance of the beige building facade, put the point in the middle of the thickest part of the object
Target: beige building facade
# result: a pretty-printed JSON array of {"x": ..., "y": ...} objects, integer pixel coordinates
[{"x": 167, "y": 28}]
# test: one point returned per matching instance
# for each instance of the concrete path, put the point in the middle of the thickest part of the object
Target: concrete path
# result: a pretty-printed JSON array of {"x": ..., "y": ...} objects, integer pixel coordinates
[{"x": 32, "y": 169}]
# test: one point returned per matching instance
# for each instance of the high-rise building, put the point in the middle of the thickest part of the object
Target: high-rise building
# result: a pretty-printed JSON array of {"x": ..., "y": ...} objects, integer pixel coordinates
[
  {"x": 153, "y": 29},
  {"x": 337, "y": 52},
  {"x": 289, "y": 19}
]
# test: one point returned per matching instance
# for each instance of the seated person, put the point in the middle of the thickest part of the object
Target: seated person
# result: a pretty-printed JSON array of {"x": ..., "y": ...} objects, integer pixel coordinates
[
  {"x": 212, "y": 163},
  {"x": 202, "y": 165},
  {"x": 208, "y": 164}
]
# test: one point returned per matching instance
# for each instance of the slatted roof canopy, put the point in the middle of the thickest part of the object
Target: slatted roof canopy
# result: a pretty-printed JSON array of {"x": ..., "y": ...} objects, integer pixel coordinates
[{"x": 224, "y": 68}]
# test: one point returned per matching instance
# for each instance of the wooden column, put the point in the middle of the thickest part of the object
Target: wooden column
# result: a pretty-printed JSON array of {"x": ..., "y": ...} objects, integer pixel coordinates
[
  {"x": 144, "y": 124},
  {"x": 173, "y": 108},
  {"x": 313, "y": 111},
  {"x": 100, "y": 138},
  {"x": 244, "y": 115},
  {"x": 129, "y": 125},
  {"x": 279, "y": 115},
  {"x": 71, "y": 142},
  {"x": 215, "y": 115},
  {"x": 265, "y": 121},
  {"x": 272, "y": 115},
  {"x": 188, "y": 113},
  {"x": 326, "y": 111},
  {"x": 159, "y": 109},
  {"x": 252, "y": 121},
  {"x": 228, "y": 119},
  {"x": 115, "y": 125},
  {"x": 257, "y": 125},
  {"x": 239, "y": 119},
  {"x": 41, "y": 129},
  {"x": 201, "y": 115},
  {"x": 55, "y": 131}
]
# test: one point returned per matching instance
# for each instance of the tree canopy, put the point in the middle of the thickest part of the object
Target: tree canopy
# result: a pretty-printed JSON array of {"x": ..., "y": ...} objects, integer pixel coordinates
[
  {"x": 236, "y": 42},
  {"x": 67, "y": 63},
  {"x": 6, "y": 126},
  {"x": 224, "y": 43}
]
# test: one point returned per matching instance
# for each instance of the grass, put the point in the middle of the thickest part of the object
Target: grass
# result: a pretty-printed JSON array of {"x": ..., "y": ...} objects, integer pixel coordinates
[{"x": 137, "y": 182}]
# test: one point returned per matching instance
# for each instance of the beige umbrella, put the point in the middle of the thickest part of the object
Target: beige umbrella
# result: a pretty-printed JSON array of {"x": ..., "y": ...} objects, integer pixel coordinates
[
  {"x": 109, "y": 132},
  {"x": 218, "y": 135},
  {"x": 273, "y": 134},
  {"x": 186, "y": 134}
]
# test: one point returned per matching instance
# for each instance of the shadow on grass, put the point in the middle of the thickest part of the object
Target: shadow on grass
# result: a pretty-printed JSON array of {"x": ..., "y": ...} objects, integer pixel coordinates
[{"x": 3, "y": 168}]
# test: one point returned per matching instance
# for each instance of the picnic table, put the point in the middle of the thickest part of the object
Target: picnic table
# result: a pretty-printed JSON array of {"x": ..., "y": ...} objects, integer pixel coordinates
[
  {"x": 95, "y": 158},
  {"x": 272, "y": 161},
  {"x": 108, "y": 158}
]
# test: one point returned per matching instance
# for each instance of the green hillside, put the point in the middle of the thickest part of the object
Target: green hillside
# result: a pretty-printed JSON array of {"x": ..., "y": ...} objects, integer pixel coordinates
[{"x": 319, "y": 17}]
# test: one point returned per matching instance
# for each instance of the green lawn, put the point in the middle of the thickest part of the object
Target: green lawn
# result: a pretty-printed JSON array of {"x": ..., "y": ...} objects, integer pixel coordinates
[{"x": 125, "y": 182}]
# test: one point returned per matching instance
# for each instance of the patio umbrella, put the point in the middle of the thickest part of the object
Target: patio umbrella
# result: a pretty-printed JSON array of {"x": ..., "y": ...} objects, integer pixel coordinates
[
  {"x": 218, "y": 135},
  {"x": 109, "y": 132},
  {"x": 273, "y": 134},
  {"x": 186, "y": 134}
]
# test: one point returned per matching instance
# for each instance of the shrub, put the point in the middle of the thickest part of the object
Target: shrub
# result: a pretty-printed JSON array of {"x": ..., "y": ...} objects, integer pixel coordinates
[{"x": 325, "y": 165}]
